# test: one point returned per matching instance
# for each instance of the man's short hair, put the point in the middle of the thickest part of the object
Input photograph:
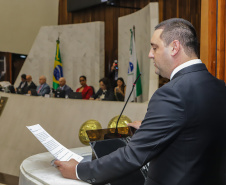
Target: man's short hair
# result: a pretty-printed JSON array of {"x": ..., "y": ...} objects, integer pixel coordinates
[
  {"x": 62, "y": 79},
  {"x": 43, "y": 77},
  {"x": 181, "y": 30},
  {"x": 23, "y": 76}
]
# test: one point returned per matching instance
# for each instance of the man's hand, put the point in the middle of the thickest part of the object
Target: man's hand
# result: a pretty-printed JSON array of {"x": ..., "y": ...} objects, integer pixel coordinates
[
  {"x": 113, "y": 66},
  {"x": 67, "y": 168},
  {"x": 135, "y": 124}
]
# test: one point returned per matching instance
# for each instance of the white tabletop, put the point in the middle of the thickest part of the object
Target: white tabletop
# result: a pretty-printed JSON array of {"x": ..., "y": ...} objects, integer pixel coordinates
[{"x": 38, "y": 170}]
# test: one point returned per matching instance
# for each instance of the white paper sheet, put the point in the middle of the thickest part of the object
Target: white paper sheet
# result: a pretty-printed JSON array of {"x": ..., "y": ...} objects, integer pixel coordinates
[{"x": 54, "y": 147}]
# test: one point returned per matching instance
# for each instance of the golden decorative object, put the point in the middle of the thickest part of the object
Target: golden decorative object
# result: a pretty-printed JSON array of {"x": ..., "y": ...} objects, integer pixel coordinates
[
  {"x": 122, "y": 123},
  {"x": 3, "y": 101},
  {"x": 88, "y": 125}
]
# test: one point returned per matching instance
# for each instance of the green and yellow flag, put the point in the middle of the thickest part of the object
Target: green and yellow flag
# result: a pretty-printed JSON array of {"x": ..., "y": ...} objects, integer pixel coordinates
[{"x": 58, "y": 67}]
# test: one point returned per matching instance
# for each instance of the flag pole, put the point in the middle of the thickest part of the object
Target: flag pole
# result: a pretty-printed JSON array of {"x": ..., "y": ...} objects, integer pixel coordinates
[
  {"x": 58, "y": 67},
  {"x": 134, "y": 31},
  {"x": 135, "y": 100}
]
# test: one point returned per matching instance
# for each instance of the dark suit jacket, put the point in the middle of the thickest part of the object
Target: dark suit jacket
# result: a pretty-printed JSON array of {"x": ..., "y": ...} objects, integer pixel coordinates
[
  {"x": 109, "y": 94},
  {"x": 67, "y": 89},
  {"x": 183, "y": 136},
  {"x": 22, "y": 90},
  {"x": 31, "y": 86},
  {"x": 44, "y": 90}
]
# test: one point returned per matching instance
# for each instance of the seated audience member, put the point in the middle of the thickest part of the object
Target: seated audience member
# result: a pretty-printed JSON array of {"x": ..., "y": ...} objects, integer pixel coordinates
[
  {"x": 21, "y": 89},
  {"x": 86, "y": 90},
  {"x": 43, "y": 88},
  {"x": 63, "y": 86},
  {"x": 30, "y": 84},
  {"x": 120, "y": 90},
  {"x": 105, "y": 92}
]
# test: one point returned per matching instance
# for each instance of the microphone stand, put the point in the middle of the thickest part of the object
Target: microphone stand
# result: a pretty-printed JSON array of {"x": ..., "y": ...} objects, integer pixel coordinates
[{"x": 116, "y": 134}]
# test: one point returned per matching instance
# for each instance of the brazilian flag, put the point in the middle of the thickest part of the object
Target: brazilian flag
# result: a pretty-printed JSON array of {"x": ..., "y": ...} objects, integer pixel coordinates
[{"x": 58, "y": 67}]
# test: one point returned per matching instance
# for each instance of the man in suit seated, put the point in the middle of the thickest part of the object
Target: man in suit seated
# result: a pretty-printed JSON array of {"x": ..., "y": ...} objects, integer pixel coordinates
[
  {"x": 183, "y": 134},
  {"x": 21, "y": 89},
  {"x": 30, "y": 84},
  {"x": 43, "y": 88},
  {"x": 63, "y": 86}
]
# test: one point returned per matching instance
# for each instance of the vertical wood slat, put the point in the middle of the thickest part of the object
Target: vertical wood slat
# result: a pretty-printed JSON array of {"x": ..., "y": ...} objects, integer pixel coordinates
[
  {"x": 225, "y": 43},
  {"x": 212, "y": 12},
  {"x": 161, "y": 6},
  {"x": 204, "y": 30},
  {"x": 63, "y": 14},
  {"x": 216, "y": 36},
  {"x": 221, "y": 40}
]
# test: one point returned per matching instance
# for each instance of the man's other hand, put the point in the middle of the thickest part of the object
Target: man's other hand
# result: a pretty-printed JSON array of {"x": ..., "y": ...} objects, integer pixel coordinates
[
  {"x": 67, "y": 168},
  {"x": 135, "y": 124}
]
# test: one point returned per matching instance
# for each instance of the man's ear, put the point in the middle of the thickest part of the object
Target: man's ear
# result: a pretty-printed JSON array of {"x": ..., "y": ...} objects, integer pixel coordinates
[{"x": 175, "y": 46}]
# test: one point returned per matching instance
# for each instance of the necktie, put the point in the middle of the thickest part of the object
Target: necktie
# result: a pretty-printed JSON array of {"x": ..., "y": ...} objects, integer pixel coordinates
[{"x": 39, "y": 88}]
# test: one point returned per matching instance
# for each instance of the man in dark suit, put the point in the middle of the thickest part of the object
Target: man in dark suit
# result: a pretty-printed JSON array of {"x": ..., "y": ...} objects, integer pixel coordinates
[
  {"x": 30, "y": 84},
  {"x": 183, "y": 134},
  {"x": 63, "y": 86},
  {"x": 21, "y": 89},
  {"x": 43, "y": 88}
]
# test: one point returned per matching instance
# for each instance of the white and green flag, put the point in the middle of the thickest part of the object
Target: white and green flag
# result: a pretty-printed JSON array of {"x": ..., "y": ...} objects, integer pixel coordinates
[{"x": 133, "y": 72}]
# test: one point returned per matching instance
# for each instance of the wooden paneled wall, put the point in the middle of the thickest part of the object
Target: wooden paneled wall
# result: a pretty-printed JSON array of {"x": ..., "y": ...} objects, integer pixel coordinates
[
  {"x": 187, "y": 9},
  {"x": 213, "y": 45},
  {"x": 221, "y": 35}
]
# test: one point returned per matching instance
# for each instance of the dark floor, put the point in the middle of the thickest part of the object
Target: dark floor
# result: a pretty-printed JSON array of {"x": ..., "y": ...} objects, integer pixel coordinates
[{"x": 8, "y": 179}]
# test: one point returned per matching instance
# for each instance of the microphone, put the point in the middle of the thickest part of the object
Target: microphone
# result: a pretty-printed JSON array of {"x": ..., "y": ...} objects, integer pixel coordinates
[{"x": 116, "y": 134}]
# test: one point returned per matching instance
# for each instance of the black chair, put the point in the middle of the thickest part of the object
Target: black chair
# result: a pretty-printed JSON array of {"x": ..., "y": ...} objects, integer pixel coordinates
[
  {"x": 11, "y": 89},
  {"x": 93, "y": 90}
]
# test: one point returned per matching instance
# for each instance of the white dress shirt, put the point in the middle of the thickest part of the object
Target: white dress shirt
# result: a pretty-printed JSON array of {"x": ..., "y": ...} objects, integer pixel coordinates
[{"x": 186, "y": 64}]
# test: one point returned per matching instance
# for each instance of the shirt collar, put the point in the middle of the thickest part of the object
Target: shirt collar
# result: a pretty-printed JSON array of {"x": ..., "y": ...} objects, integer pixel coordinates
[{"x": 186, "y": 64}]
